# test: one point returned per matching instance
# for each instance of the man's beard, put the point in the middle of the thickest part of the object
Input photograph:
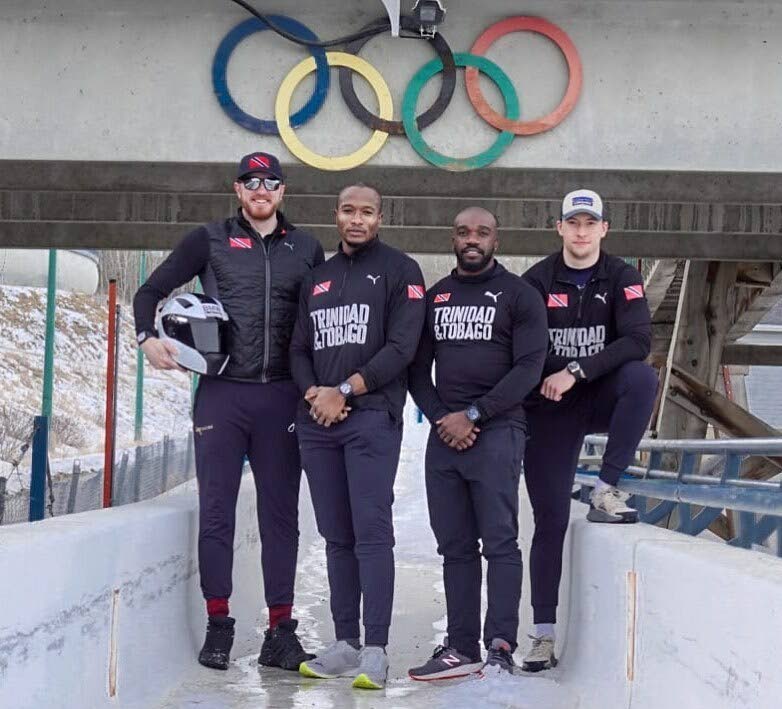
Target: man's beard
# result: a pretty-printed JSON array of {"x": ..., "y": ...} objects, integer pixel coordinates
[{"x": 474, "y": 266}]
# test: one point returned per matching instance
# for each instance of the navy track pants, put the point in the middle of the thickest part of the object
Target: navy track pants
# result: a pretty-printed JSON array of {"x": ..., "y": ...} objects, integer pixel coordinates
[
  {"x": 474, "y": 495},
  {"x": 619, "y": 403},
  {"x": 351, "y": 468},
  {"x": 233, "y": 419}
]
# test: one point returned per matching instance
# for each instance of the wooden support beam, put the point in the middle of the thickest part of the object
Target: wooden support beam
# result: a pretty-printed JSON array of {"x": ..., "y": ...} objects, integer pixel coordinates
[{"x": 759, "y": 355}]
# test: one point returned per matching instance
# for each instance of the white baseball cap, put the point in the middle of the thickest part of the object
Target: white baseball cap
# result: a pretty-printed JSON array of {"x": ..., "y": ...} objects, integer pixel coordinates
[{"x": 580, "y": 202}]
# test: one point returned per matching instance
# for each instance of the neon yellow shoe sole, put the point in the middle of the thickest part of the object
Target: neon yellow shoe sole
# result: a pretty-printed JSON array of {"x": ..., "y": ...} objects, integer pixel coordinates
[
  {"x": 363, "y": 682},
  {"x": 307, "y": 672}
]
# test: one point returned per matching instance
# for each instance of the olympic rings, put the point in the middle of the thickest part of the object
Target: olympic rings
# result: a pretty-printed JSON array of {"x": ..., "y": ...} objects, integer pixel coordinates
[
  {"x": 431, "y": 114},
  {"x": 554, "y": 33},
  {"x": 497, "y": 75},
  {"x": 383, "y": 125},
  {"x": 220, "y": 71},
  {"x": 282, "y": 105}
]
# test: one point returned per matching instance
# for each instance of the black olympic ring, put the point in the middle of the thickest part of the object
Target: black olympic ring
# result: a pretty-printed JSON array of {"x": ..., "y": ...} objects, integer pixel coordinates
[{"x": 429, "y": 116}]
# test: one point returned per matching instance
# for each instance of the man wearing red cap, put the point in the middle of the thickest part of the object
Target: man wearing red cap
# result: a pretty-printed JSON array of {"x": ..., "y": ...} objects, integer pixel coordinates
[{"x": 254, "y": 264}]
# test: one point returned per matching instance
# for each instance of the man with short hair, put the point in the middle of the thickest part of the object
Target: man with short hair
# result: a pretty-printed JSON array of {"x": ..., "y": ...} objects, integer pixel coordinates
[
  {"x": 359, "y": 321},
  {"x": 253, "y": 263},
  {"x": 594, "y": 380},
  {"x": 486, "y": 334}
]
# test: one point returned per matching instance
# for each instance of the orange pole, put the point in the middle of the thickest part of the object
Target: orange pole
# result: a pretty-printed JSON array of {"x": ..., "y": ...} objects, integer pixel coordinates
[{"x": 111, "y": 392}]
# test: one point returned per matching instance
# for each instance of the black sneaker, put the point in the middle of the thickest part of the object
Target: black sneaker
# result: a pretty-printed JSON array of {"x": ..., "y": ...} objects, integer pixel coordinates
[
  {"x": 499, "y": 655},
  {"x": 445, "y": 663},
  {"x": 281, "y": 647},
  {"x": 216, "y": 652}
]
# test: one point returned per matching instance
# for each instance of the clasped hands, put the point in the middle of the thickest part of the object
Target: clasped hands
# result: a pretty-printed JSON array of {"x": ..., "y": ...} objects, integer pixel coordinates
[
  {"x": 327, "y": 405},
  {"x": 457, "y": 431}
]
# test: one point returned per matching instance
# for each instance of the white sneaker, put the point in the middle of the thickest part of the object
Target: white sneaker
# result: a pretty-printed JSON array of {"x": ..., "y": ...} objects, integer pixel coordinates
[
  {"x": 338, "y": 660},
  {"x": 541, "y": 655},
  {"x": 609, "y": 504}
]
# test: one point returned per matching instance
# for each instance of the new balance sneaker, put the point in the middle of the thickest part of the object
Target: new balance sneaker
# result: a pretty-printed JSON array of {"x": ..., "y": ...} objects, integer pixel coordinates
[
  {"x": 281, "y": 647},
  {"x": 541, "y": 654},
  {"x": 609, "y": 504},
  {"x": 216, "y": 652},
  {"x": 500, "y": 655},
  {"x": 372, "y": 668},
  {"x": 445, "y": 663},
  {"x": 338, "y": 660}
]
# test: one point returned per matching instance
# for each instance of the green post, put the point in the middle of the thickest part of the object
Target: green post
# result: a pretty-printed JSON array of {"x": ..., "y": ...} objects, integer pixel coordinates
[
  {"x": 48, "y": 357},
  {"x": 139, "y": 426}
]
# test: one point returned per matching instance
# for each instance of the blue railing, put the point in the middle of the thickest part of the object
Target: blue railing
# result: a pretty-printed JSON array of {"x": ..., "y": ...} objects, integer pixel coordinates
[{"x": 692, "y": 499}]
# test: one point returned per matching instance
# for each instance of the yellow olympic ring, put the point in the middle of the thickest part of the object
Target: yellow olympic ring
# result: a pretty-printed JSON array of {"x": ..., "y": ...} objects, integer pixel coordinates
[{"x": 283, "y": 102}]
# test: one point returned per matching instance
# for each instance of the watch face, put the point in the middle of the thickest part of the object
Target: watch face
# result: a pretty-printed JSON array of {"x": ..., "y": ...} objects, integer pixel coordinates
[
  {"x": 141, "y": 337},
  {"x": 345, "y": 389},
  {"x": 473, "y": 414}
]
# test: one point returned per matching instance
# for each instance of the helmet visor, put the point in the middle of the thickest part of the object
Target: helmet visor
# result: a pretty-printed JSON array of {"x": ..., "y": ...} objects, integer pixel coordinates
[{"x": 205, "y": 336}]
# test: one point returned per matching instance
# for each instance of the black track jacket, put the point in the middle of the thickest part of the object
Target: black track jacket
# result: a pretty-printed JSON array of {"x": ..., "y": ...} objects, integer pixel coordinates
[
  {"x": 602, "y": 326},
  {"x": 361, "y": 313},
  {"x": 257, "y": 280},
  {"x": 487, "y": 336}
]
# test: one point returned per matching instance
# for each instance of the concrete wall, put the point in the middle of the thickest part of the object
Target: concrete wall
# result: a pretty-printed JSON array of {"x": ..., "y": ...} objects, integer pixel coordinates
[
  {"x": 76, "y": 270},
  {"x": 67, "y": 581},
  {"x": 668, "y": 84},
  {"x": 706, "y": 624}
]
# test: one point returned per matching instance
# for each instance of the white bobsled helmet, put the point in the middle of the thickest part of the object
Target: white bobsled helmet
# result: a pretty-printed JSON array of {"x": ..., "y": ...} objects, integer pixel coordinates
[{"x": 198, "y": 326}]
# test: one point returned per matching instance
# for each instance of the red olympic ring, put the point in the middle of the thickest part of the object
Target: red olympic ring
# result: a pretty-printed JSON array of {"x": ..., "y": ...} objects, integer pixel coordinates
[{"x": 555, "y": 34}]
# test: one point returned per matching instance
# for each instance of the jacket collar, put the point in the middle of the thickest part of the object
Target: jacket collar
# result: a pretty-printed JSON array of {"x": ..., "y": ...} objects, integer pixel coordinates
[
  {"x": 496, "y": 270},
  {"x": 282, "y": 228},
  {"x": 361, "y": 252},
  {"x": 599, "y": 273}
]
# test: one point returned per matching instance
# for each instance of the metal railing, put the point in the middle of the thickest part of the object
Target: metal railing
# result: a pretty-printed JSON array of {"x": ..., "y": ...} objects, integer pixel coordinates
[{"x": 696, "y": 500}]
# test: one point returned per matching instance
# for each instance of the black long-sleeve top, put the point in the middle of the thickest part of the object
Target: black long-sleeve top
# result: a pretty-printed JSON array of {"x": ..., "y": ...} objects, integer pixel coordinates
[
  {"x": 601, "y": 326},
  {"x": 360, "y": 314},
  {"x": 487, "y": 336}
]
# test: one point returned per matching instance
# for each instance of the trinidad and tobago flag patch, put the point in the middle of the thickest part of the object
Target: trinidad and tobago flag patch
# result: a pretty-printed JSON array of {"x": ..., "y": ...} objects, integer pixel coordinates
[
  {"x": 633, "y": 292},
  {"x": 240, "y": 242},
  {"x": 442, "y": 297},
  {"x": 557, "y": 300},
  {"x": 321, "y": 288},
  {"x": 415, "y": 292}
]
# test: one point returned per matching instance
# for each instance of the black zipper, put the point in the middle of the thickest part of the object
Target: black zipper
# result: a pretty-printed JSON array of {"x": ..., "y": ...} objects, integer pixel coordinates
[{"x": 345, "y": 276}]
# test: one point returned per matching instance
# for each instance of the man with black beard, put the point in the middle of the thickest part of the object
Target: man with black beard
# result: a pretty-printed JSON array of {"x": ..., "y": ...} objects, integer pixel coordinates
[{"x": 486, "y": 331}]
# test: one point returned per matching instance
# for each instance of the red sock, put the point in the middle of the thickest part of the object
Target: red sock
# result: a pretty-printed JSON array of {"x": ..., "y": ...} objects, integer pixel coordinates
[
  {"x": 217, "y": 606},
  {"x": 278, "y": 613}
]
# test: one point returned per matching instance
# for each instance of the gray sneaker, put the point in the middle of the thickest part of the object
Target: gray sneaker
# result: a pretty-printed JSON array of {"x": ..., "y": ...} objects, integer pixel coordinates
[
  {"x": 610, "y": 505},
  {"x": 541, "y": 655},
  {"x": 338, "y": 660},
  {"x": 445, "y": 663},
  {"x": 373, "y": 669},
  {"x": 500, "y": 655}
]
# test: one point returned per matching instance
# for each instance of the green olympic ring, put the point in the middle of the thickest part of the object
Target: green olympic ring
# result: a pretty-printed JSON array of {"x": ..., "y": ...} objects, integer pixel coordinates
[{"x": 504, "y": 139}]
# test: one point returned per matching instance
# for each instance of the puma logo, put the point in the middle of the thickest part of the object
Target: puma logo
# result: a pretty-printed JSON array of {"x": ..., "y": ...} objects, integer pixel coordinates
[
  {"x": 372, "y": 278},
  {"x": 288, "y": 244},
  {"x": 602, "y": 297},
  {"x": 200, "y": 429},
  {"x": 493, "y": 296}
]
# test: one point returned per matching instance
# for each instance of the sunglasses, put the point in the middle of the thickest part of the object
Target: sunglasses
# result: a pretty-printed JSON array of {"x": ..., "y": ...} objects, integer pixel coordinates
[{"x": 270, "y": 184}]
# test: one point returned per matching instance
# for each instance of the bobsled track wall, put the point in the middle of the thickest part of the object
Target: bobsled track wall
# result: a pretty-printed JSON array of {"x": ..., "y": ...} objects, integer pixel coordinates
[{"x": 108, "y": 601}]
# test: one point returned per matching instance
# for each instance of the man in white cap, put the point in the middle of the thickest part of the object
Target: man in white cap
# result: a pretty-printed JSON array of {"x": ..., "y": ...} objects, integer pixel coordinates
[{"x": 594, "y": 380}]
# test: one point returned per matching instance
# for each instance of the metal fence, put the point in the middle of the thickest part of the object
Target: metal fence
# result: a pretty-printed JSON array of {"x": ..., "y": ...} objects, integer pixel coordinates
[
  {"x": 139, "y": 474},
  {"x": 695, "y": 501}
]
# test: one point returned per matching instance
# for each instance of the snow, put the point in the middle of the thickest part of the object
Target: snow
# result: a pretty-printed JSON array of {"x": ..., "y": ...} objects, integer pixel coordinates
[{"x": 80, "y": 378}]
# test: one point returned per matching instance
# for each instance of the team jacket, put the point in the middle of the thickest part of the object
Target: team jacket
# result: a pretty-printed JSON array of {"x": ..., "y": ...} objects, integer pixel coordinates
[
  {"x": 257, "y": 279},
  {"x": 602, "y": 326},
  {"x": 487, "y": 337},
  {"x": 361, "y": 313}
]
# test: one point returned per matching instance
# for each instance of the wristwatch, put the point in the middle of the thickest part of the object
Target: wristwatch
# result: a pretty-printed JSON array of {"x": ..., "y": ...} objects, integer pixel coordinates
[
  {"x": 144, "y": 335},
  {"x": 346, "y": 389},
  {"x": 473, "y": 414},
  {"x": 575, "y": 369}
]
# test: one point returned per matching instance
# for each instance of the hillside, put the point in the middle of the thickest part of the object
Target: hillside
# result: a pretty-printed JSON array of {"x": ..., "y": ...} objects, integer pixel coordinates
[{"x": 80, "y": 376}]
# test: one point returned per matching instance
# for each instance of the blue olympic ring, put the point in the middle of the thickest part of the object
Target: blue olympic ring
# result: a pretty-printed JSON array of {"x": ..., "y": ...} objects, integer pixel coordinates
[{"x": 220, "y": 70}]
